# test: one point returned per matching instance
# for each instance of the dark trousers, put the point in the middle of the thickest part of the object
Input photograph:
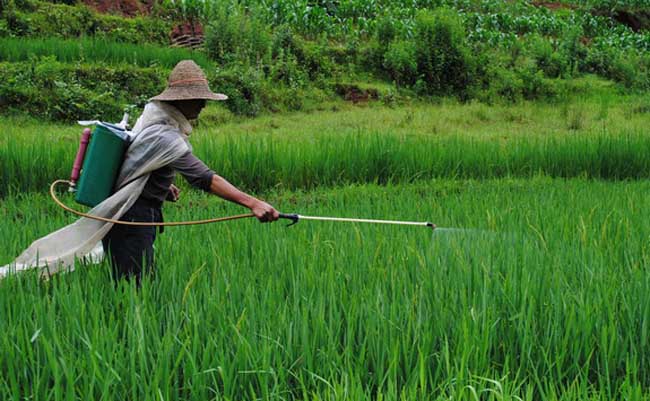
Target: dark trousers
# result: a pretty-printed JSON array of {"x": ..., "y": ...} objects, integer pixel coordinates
[{"x": 130, "y": 248}]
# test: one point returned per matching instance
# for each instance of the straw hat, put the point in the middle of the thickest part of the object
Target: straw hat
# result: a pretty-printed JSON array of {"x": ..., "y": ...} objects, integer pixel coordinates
[{"x": 186, "y": 82}]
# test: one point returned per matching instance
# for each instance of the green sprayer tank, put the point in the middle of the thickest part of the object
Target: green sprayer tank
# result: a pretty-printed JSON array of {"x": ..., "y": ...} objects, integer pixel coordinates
[{"x": 101, "y": 164}]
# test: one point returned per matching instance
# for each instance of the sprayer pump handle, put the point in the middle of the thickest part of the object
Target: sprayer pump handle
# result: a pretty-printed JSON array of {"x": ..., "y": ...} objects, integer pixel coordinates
[{"x": 293, "y": 217}]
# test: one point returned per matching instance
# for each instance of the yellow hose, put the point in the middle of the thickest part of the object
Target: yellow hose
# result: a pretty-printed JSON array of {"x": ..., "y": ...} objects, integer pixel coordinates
[{"x": 138, "y": 223}]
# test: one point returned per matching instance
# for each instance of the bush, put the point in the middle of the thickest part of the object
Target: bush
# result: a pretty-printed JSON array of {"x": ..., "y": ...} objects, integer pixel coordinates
[
  {"x": 286, "y": 70},
  {"x": 373, "y": 54},
  {"x": 342, "y": 54},
  {"x": 628, "y": 69},
  {"x": 315, "y": 60},
  {"x": 553, "y": 63},
  {"x": 65, "y": 21},
  {"x": 282, "y": 57},
  {"x": 232, "y": 36},
  {"x": 286, "y": 64},
  {"x": 59, "y": 100},
  {"x": 250, "y": 93},
  {"x": 310, "y": 57},
  {"x": 598, "y": 60},
  {"x": 631, "y": 70},
  {"x": 385, "y": 32},
  {"x": 243, "y": 85},
  {"x": 136, "y": 30},
  {"x": 281, "y": 98},
  {"x": 63, "y": 92},
  {"x": 513, "y": 83},
  {"x": 535, "y": 86},
  {"x": 15, "y": 21},
  {"x": 503, "y": 84},
  {"x": 400, "y": 62},
  {"x": 574, "y": 49},
  {"x": 4, "y": 28},
  {"x": 443, "y": 60},
  {"x": 25, "y": 5},
  {"x": 284, "y": 40}
]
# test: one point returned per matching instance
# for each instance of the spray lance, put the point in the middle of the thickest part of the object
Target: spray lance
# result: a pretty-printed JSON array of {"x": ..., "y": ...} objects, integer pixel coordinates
[
  {"x": 294, "y": 218},
  {"x": 96, "y": 167}
]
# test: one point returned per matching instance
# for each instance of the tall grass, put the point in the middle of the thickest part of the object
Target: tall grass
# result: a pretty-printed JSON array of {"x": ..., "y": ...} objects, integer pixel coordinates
[
  {"x": 549, "y": 301},
  {"x": 265, "y": 163},
  {"x": 377, "y": 144},
  {"x": 97, "y": 51}
]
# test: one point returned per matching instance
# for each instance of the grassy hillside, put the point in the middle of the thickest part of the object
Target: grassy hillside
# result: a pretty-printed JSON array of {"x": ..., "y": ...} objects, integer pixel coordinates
[{"x": 290, "y": 55}]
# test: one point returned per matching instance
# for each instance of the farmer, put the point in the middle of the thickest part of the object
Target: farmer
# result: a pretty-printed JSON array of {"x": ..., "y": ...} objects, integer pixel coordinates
[{"x": 131, "y": 247}]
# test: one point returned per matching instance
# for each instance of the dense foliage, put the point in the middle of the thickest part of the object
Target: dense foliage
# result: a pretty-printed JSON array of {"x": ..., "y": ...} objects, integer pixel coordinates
[
  {"x": 44, "y": 19},
  {"x": 511, "y": 36},
  {"x": 281, "y": 55},
  {"x": 53, "y": 90}
]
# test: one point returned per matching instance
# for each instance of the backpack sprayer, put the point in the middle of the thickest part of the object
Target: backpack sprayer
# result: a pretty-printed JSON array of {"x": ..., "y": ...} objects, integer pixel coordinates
[
  {"x": 97, "y": 165},
  {"x": 99, "y": 157}
]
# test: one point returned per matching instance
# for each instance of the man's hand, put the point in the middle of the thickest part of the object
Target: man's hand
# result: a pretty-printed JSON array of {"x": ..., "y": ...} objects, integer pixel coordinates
[
  {"x": 174, "y": 193},
  {"x": 264, "y": 212}
]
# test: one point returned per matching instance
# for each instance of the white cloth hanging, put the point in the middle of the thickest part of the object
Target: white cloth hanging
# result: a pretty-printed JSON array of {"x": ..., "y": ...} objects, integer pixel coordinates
[{"x": 160, "y": 137}]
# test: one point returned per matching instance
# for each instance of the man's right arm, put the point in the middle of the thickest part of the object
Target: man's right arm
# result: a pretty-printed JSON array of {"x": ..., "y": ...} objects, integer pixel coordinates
[
  {"x": 199, "y": 175},
  {"x": 262, "y": 210}
]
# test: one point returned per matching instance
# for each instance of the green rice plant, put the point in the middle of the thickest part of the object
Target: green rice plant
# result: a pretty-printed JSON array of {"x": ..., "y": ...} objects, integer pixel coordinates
[
  {"x": 359, "y": 145},
  {"x": 90, "y": 50},
  {"x": 58, "y": 91},
  {"x": 261, "y": 164},
  {"x": 543, "y": 298}
]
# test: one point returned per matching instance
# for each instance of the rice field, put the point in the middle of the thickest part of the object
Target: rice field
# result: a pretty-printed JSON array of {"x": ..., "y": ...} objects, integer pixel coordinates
[
  {"x": 534, "y": 286},
  {"x": 542, "y": 295},
  {"x": 602, "y": 138},
  {"x": 95, "y": 50}
]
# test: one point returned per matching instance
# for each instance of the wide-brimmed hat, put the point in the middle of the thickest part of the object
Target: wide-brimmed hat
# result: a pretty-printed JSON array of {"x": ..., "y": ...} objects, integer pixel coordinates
[{"x": 186, "y": 82}]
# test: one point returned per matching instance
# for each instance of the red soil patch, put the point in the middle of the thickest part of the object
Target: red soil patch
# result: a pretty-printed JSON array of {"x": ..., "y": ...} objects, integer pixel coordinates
[
  {"x": 355, "y": 94},
  {"x": 126, "y": 8},
  {"x": 187, "y": 28},
  {"x": 187, "y": 34},
  {"x": 553, "y": 5},
  {"x": 637, "y": 21}
]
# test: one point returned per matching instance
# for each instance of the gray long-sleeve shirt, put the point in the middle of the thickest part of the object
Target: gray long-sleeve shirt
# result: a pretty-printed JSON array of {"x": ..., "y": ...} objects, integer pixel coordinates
[{"x": 191, "y": 168}]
